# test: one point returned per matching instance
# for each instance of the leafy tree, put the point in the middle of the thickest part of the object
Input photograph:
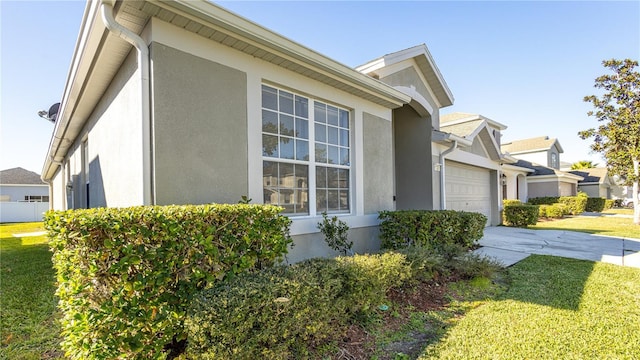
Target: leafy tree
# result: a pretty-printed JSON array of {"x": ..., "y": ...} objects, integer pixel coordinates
[
  {"x": 618, "y": 111},
  {"x": 583, "y": 164}
]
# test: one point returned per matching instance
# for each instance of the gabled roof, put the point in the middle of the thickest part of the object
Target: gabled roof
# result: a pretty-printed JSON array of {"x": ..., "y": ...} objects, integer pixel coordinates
[
  {"x": 20, "y": 176},
  {"x": 540, "y": 170},
  {"x": 593, "y": 175},
  {"x": 99, "y": 54},
  {"x": 421, "y": 55},
  {"x": 470, "y": 127},
  {"x": 541, "y": 143}
]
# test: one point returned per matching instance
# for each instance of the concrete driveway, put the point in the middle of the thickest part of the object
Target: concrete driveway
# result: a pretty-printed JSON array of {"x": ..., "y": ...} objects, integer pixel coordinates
[{"x": 509, "y": 245}]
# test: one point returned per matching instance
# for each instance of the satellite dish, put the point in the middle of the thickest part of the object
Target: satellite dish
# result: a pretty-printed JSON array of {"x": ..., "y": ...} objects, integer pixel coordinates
[{"x": 53, "y": 112}]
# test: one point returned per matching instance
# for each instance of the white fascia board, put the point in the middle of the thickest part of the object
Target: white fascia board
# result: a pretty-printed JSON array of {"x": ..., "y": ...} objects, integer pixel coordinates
[
  {"x": 438, "y": 136},
  {"x": 89, "y": 37},
  {"x": 213, "y": 14},
  {"x": 477, "y": 117},
  {"x": 24, "y": 185}
]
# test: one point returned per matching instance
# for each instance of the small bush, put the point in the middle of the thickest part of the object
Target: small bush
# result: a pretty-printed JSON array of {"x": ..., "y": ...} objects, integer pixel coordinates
[
  {"x": 608, "y": 204},
  {"x": 542, "y": 210},
  {"x": 575, "y": 204},
  {"x": 595, "y": 204},
  {"x": 430, "y": 228},
  {"x": 126, "y": 276},
  {"x": 507, "y": 202},
  {"x": 336, "y": 234},
  {"x": 521, "y": 215},
  {"x": 618, "y": 203},
  {"x": 284, "y": 313},
  {"x": 556, "y": 211},
  {"x": 425, "y": 263}
]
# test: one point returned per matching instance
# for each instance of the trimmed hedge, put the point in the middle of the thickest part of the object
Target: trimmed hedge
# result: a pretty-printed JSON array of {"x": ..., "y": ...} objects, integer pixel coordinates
[
  {"x": 521, "y": 215},
  {"x": 595, "y": 204},
  {"x": 555, "y": 211},
  {"x": 430, "y": 228},
  {"x": 545, "y": 200},
  {"x": 126, "y": 276},
  {"x": 507, "y": 202},
  {"x": 576, "y": 205},
  {"x": 284, "y": 312},
  {"x": 608, "y": 204}
]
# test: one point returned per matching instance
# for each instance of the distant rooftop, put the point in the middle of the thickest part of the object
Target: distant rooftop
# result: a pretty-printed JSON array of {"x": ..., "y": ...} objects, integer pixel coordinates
[
  {"x": 20, "y": 176},
  {"x": 540, "y": 143}
]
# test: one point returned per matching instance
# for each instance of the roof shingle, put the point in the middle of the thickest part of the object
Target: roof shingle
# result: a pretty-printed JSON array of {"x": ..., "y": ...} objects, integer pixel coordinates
[{"x": 20, "y": 176}]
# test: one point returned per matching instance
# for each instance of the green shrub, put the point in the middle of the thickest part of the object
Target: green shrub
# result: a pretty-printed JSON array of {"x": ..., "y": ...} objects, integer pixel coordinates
[
  {"x": 126, "y": 276},
  {"x": 425, "y": 263},
  {"x": 575, "y": 204},
  {"x": 542, "y": 210},
  {"x": 608, "y": 204},
  {"x": 507, "y": 202},
  {"x": 617, "y": 203},
  {"x": 430, "y": 228},
  {"x": 556, "y": 211},
  {"x": 521, "y": 215},
  {"x": 284, "y": 313},
  {"x": 336, "y": 234},
  {"x": 595, "y": 204},
  {"x": 545, "y": 200}
]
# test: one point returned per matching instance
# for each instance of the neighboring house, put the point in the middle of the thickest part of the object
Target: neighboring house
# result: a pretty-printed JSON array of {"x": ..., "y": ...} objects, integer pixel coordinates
[
  {"x": 231, "y": 109},
  {"x": 23, "y": 196},
  {"x": 471, "y": 145},
  {"x": 542, "y": 155},
  {"x": 595, "y": 182}
]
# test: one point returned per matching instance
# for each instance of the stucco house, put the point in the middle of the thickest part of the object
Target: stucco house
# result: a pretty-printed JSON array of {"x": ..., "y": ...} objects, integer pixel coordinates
[
  {"x": 184, "y": 102},
  {"x": 23, "y": 195},
  {"x": 595, "y": 183},
  {"x": 542, "y": 156}
]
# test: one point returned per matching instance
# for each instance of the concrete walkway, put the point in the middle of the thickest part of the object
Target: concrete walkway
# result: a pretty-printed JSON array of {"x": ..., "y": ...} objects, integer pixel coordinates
[{"x": 509, "y": 245}]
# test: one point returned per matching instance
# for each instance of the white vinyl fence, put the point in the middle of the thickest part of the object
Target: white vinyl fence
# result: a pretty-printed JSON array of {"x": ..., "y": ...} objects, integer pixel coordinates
[{"x": 22, "y": 211}]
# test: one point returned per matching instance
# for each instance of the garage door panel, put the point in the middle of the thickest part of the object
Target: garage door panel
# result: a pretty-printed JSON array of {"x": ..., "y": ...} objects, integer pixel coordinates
[{"x": 468, "y": 188}]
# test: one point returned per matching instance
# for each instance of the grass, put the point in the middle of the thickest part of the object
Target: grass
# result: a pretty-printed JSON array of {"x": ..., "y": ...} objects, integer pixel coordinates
[
  {"x": 622, "y": 211},
  {"x": 28, "y": 326},
  {"x": 601, "y": 225},
  {"x": 555, "y": 308}
]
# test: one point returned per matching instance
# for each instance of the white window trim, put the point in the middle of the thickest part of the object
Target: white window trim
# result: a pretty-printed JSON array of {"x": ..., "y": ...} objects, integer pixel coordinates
[{"x": 313, "y": 213}]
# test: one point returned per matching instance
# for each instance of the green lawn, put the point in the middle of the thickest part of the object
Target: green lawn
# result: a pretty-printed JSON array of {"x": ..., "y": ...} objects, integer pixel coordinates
[
  {"x": 601, "y": 225},
  {"x": 555, "y": 308},
  {"x": 28, "y": 326}
]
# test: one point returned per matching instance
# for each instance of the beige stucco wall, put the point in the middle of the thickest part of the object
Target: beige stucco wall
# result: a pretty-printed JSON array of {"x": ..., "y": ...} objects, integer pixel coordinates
[
  {"x": 378, "y": 164},
  {"x": 365, "y": 240},
  {"x": 200, "y": 123}
]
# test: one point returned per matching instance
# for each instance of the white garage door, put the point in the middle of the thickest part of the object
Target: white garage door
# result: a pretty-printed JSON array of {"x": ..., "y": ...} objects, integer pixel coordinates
[{"x": 468, "y": 188}]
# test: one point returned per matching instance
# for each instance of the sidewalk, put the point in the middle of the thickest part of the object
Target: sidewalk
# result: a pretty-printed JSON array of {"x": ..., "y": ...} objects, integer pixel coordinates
[{"x": 509, "y": 245}]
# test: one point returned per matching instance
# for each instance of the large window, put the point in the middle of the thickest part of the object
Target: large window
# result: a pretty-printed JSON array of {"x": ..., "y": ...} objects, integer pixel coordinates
[{"x": 306, "y": 154}]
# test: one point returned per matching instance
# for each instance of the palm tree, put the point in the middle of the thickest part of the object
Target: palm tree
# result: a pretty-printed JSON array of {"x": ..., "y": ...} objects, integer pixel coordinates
[{"x": 583, "y": 164}]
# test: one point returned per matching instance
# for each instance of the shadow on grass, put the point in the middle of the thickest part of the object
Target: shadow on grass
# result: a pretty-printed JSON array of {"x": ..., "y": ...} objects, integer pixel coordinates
[{"x": 551, "y": 281}]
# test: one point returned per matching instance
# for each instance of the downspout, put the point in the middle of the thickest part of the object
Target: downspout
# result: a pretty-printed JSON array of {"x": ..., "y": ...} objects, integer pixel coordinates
[
  {"x": 143, "y": 61},
  {"x": 453, "y": 146}
]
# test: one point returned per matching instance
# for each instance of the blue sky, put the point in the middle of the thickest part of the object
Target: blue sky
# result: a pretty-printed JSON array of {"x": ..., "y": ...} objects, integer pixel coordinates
[{"x": 525, "y": 64}]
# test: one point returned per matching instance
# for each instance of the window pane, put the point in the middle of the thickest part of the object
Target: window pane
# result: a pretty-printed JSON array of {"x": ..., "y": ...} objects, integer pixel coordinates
[
  {"x": 344, "y": 119},
  {"x": 302, "y": 107},
  {"x": 286, "y": 148},
  {"x": 332, "y": 200},
  {"x": 344, "y": 157},
  {"x": 321, "y": 153},
  {"x": 302, "y": 128},
  {"x": 302, "y": 176},
  {"x": 269, "y": 98},
  {"x": 286, "y": 125},
  {"x": 270, "y": 196},
  {"x": 344, "y": 200},
  {"x": 334, "y": 155},
  {"x": 332, "y": 178},
  {"x": 321, "y": 177},
  {"x": 287, "y": 176},
  {"x": 343, "y": 176},
  {"x": 301, "y": 201},
  {"x": 269, "y": 173},
  {"x": 333, "y": 135},
  {"x": 332, "y": 115},
  {"x": 321, "y": 132},
  {"x": 302, "y": 150},
  {"x": 344, "y": 137},
  {"x": 286, "y": 102},
  {"x": 320, "y": 113},
  {"x": 269, "y": 145},
  {"x": 321, "y": 201},
  {"x": 269, "y": 121}
]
